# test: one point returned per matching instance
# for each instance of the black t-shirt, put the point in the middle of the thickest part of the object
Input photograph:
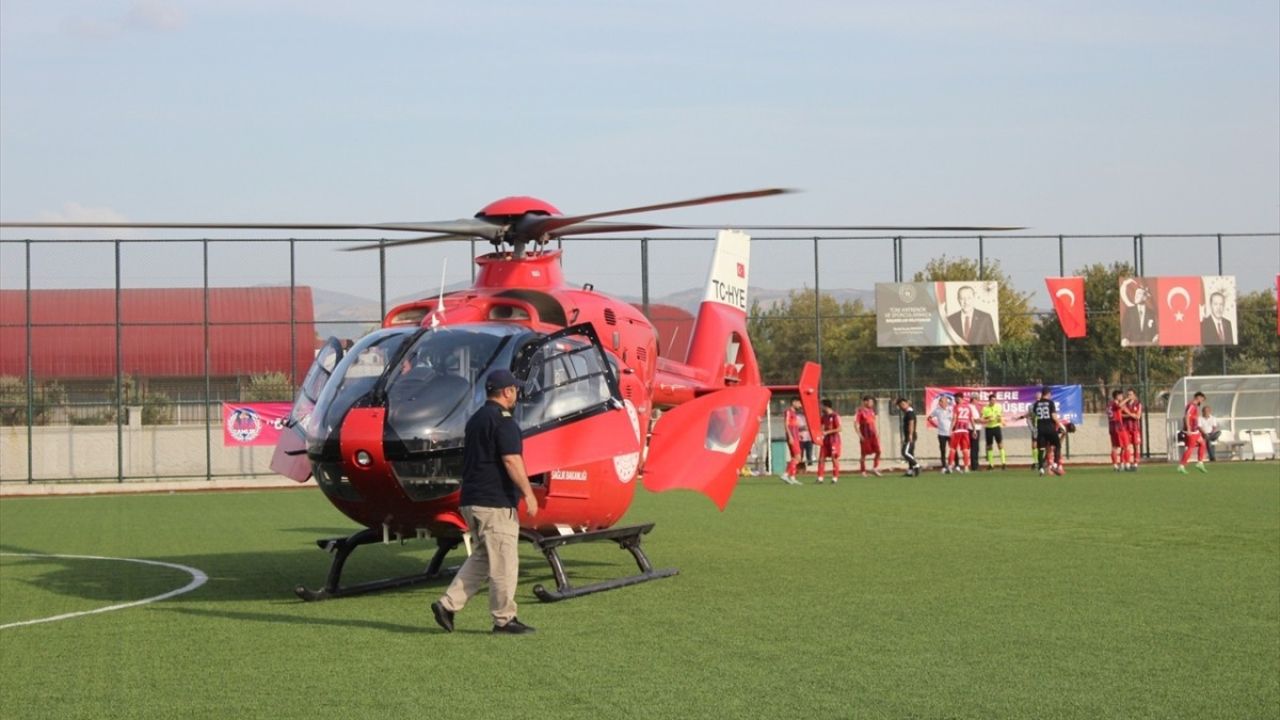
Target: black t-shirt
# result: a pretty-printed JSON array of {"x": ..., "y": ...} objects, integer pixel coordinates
[
  {"x": 909, "y": 423},
  {"x": 491, "y": 433},
  {"x": 1043, "y": 412}
]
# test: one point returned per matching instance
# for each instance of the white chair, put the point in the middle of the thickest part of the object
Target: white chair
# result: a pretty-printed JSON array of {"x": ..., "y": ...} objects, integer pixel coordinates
[
  {"x": 1261, "y": 443},
  {"x": 1228, "y": 442}
]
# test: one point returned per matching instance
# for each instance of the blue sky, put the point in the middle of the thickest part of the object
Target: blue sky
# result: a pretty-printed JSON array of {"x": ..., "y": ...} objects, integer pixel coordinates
[{"x": 1066, "y": 117}]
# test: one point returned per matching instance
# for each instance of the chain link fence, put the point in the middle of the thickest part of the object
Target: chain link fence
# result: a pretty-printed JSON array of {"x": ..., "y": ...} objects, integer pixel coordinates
[{"x": 89, "y": 416}]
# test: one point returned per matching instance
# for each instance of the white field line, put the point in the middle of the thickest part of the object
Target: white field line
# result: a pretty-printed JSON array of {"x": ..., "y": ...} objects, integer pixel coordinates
[{"x": 198, "y": 578}]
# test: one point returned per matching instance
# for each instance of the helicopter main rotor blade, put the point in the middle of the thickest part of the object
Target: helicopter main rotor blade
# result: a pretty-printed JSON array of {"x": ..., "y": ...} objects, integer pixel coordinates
[
  {"x": 466, "y": 227},
  {"x": 603, "y": 227},
  {"x": 535, "y": 226},
  {"x": 408, "y": 241}
]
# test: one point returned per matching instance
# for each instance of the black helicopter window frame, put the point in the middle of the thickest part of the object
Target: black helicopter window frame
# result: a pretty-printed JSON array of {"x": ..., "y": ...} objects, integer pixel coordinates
[{"x": 522, "y": 367}]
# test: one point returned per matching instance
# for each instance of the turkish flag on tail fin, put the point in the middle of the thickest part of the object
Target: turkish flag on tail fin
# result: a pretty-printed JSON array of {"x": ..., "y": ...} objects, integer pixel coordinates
[
  {"x": 1067, "y": 294},
  {"x": 1179, "y": 301}
]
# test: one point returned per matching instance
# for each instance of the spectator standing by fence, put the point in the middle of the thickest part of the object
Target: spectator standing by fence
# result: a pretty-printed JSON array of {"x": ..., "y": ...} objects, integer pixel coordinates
[{"x": 942, "y": 418}]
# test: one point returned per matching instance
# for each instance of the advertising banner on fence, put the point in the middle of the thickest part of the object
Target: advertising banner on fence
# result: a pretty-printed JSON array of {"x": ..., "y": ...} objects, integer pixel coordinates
[
  {"x": 256, "y": 423},
  {"x": 1014, "y": 400},
  {"x": 1175, "y": 311},
  {"x": 937, "y": 313}
]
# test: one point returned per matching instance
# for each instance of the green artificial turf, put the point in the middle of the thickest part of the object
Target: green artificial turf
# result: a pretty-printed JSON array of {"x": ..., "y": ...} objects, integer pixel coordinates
[{"x": 990, "y": 595}]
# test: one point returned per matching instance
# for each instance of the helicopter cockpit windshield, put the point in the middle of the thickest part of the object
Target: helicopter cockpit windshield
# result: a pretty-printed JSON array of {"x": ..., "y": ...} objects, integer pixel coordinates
[
  {"x": 437, "y": 384},
  {"x": 431, "y": 381}
]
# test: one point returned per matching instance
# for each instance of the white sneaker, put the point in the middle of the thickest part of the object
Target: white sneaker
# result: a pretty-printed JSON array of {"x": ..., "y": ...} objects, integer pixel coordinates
[
  {"x": 819, "y": 479},
  {"x": 946, "y": 471},
  {"x": 877, "y": 473}
]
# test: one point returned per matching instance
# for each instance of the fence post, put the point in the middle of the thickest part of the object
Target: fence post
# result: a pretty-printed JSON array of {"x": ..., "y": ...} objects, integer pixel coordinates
[
  {"x": 208, "y": 387},
  {"x": 644, "y": 276},
  {"x": 982, "y": 275},
  {"x": 1062, "y": 271},
  {"x": 817, "y": 311},
  {"x": 31, "y": 373},
  {"x": 119, "y": 374}
]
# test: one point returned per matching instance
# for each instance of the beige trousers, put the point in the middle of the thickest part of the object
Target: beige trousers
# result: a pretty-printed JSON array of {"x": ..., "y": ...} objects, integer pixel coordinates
[{"x": 495, "y": 557}]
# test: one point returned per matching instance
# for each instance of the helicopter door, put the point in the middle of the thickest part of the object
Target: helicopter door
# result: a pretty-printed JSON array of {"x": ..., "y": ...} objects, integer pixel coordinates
[
  {"x": 570, "y": 410},
  {"x": 290, "y": 456}
]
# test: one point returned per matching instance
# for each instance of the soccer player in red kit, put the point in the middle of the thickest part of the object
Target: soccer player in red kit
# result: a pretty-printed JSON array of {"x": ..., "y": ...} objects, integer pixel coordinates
[
  {"x": 830, "y": 443},
  {"x": 966, "y": 415},
  {"x": 1133, "y": 426},
  {"x": 1119, "y": 433},
  {"x": 1195, "y": 441},
  {"x": 869, "y": 435},
  {"x": 791, "y": 427}
]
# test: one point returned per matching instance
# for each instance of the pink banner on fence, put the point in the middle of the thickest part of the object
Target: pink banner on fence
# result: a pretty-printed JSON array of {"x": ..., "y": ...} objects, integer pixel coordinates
[{"x": 257, "y": 423}]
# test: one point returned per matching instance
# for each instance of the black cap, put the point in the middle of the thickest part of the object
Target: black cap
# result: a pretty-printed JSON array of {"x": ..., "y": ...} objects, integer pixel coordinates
[
  {"x": 499, "y": 379},
  {"x": 1046, "y": 390}
]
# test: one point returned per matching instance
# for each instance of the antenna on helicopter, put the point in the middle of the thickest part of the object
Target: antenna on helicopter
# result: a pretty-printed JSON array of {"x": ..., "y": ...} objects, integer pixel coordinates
[{"x": 437, "y": 315}]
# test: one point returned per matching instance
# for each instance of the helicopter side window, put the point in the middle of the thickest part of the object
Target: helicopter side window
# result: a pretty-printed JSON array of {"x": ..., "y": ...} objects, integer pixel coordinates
[
  {"x": 302, "y": 415},
  {"x": 566, "y": 378},
  {"x": 354, "y": 377}
]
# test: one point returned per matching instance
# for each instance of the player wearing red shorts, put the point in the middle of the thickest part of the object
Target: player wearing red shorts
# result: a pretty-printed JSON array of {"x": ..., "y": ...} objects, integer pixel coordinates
[
  {"x": 966, "y": 416},
  {"x": 1119, "y": 433},
  {"x": 791, "y": 428},
  {"x": 830, "y": 444},
  {"x": 1133, "y": 425},
  {"x": 868, "y": 435},
  {"x": 1191, "y": 429}
]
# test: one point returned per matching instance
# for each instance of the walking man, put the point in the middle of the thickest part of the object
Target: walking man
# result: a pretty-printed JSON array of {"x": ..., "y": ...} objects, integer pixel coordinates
[
  {"x": 1191, "y": 429},
  {"x": 493, "y": 481}
]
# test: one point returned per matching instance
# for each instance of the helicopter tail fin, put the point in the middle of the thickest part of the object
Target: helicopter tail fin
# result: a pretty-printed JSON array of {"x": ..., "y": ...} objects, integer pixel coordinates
[{"x": 720, "y": 347}]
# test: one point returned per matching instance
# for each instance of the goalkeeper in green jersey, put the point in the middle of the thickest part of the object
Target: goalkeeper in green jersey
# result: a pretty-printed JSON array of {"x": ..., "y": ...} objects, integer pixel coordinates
[{"x": 993, "y": 427}]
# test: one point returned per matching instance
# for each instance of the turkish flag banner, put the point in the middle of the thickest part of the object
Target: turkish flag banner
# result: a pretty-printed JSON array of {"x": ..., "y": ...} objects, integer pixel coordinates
[
  {"x": 1178, "y": 300},
  {"x": 1067, "y": 294}
]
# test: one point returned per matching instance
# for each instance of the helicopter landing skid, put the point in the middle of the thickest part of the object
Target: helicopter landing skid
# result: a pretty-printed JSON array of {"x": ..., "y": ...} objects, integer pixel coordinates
[
  {"x": 628, "y": 538},
  {"x": 342, "y": 547}
]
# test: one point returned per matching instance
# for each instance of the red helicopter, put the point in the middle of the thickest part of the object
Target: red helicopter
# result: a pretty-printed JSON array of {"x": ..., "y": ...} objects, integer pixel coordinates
[{"x": 380, "y": 424}]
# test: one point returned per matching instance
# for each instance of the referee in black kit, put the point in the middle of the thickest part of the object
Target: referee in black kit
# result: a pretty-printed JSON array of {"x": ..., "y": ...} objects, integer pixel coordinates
[
  {"x": 909, "y": 437},
  {"x": 1045, "y": 412}
]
